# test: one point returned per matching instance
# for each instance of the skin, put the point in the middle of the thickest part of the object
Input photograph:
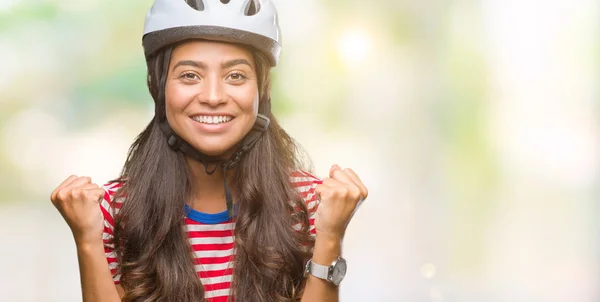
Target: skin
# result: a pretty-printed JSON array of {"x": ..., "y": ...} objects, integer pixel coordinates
[
  {"x": 207, "y": 77},
  {"x": 76, "y": 198}
]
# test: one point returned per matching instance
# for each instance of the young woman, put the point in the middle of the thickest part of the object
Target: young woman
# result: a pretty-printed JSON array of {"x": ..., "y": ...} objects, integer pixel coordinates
[{"x": 213, "y": 203}]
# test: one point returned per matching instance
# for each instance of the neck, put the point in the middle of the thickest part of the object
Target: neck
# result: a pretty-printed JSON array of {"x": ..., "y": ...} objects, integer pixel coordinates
[{"x": 209, "y": 191}]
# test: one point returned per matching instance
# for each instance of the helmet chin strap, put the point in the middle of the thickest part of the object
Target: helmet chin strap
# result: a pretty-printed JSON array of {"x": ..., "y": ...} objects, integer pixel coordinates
[{"x": 178, "y": 144}]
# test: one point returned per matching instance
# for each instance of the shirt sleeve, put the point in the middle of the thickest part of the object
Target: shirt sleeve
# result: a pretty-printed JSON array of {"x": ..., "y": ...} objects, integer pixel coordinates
[
  {"x": 305, "y": 183},
  {"x": 109, "y": 209}
]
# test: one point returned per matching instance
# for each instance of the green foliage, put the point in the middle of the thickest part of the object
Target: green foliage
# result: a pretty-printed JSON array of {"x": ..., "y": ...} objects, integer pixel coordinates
[{"x": 23, "y": 13}]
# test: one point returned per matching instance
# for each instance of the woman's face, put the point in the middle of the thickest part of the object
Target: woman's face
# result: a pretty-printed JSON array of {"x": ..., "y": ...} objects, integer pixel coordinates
[{"x": 212, "y": 95}]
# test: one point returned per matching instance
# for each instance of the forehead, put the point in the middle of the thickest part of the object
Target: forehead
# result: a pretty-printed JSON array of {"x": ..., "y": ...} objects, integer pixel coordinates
[{"x": 210, "y": 51}]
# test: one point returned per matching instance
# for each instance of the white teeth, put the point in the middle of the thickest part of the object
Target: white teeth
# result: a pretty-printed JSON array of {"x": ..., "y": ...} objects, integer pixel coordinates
[{"x": 212, "y": 119}]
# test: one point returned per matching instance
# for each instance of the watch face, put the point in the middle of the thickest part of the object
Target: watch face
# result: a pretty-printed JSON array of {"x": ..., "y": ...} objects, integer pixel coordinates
[{"x": 339, "y": 271}]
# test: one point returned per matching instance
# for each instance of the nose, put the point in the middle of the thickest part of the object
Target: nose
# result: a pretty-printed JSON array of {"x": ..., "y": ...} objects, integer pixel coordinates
[{"x": 213, "y": 91}]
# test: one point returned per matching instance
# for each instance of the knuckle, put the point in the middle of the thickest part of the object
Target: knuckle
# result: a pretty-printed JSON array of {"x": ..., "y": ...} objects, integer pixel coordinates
[
  {"x": 55, "y": 196},
  {"x": 62, "y": 195},
  {"x": 100, "y": 194},
  {"x": 344, "y": 190},
  {"x": 322, "y": 191},
  {"x": 75, "y": 193},
  {"x": 341, "y": 192},
  {"x": 356, "y": 192}
]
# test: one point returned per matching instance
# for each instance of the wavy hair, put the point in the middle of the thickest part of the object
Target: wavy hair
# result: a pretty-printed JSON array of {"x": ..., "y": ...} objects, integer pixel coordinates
[{"x": 156, "y": 259}]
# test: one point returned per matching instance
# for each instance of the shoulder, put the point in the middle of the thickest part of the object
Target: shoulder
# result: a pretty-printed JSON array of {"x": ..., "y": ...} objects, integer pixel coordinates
[
  {"x": 110, "y": 204},
  {"x": 305, "y": 183},
  {"x": 301, "y": 178}
]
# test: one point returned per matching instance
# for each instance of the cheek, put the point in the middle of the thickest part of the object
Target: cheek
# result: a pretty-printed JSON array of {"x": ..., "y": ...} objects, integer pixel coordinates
[
  {"x": 247, "y": 99},
  {"x": 176, "y": 99}
]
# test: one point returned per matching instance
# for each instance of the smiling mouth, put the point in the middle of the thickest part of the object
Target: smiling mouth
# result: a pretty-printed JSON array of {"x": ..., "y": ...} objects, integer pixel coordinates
[{"x": 212, "y": 120}]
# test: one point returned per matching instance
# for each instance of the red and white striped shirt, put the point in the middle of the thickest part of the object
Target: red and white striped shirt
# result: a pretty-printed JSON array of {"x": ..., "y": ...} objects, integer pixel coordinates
[{"x": 210, "y": 235}]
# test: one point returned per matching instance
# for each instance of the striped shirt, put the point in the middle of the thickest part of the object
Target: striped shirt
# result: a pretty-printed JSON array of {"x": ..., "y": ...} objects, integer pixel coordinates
[{"x": 210, "y": 236}]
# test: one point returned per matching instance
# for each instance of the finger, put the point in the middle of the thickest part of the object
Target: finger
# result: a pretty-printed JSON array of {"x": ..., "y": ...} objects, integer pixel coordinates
[
  {"x": 98, "y": 193},
  {"x": 333, "y": 169},
  {"x": 90, "y": 191},
  {"x": 76, "y": 188},
  {"x": 350, "y": 178},
  {"x": 323, "y": 191},
  {"x": 79, "y": 182},
  {"x": 363, "y": 189},
  {"x": 62, "y": 185},
  {"x": 95, "y": 195},
  {"x": 343, "y": 177},
  {"x": 332, "y": 182},
  {"x": 343, "y": 189},
  {"x": 89, "y": 186}
]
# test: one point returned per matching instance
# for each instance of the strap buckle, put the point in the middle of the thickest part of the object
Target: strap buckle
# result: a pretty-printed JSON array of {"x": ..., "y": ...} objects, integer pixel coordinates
[
  {"x": 262, "y": 123},
  {"x": 173, "y": 142}
]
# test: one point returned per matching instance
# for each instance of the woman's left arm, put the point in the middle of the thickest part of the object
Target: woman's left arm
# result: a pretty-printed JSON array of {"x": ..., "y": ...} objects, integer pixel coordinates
[
  {"x": 339, "y": 195},
  {"x": 325, "y": 252}
]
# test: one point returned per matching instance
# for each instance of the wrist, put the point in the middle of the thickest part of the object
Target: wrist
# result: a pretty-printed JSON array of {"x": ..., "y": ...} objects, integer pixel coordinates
[
  {"x": 86, "y": 237},
  {"x": 87, "y": 244},
  {"x": 329, "y": 236},
  {"x": 327, "y": 249}
]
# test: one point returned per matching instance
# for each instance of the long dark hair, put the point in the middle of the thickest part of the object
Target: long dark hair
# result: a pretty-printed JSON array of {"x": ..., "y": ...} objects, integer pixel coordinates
[{"x": 156, "y": 260}]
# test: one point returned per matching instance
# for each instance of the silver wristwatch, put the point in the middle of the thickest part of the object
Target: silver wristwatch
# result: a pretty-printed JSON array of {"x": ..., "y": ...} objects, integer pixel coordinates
[{"x": 334, "y": 273}]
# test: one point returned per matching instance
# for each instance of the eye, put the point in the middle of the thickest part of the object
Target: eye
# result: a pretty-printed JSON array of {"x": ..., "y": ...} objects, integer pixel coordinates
[
  {"x": 236, "y": 76},
  {"x": 190, "y": 76}
]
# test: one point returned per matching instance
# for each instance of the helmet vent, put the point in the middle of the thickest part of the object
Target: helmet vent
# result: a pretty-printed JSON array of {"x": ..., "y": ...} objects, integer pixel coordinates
[
  {"x": 195, "y": 4},
  {"x": 252, "y": 8}
]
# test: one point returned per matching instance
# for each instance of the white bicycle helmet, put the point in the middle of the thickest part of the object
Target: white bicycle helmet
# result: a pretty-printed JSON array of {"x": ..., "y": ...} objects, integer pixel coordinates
[{"x": 250, "y": 22}]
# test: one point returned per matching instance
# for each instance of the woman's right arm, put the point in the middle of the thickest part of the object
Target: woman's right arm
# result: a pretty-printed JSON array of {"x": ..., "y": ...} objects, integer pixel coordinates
[
  {"x": 96, "y": 281},
  {"x": 76, "y": 199}
]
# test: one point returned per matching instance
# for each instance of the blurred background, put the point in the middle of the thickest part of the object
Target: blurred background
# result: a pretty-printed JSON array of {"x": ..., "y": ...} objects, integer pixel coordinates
[{"x": 475, "y": 124}]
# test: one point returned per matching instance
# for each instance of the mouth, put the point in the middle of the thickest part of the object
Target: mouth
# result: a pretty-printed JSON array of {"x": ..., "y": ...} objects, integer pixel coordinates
[{"x": 212, "y": 119}]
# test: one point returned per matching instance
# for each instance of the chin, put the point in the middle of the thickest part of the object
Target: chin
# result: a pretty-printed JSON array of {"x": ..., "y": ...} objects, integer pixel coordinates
[
  {"x": 215, "y": 150},
  {"x": 216, "y": 153}
]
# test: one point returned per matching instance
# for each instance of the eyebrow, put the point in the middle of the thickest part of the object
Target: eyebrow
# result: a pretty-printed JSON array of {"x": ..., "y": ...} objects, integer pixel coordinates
[
  {"x": 232, "y": 63},
  {"x": 201, "y": 65},
  {"x": 196, "y": 64}
]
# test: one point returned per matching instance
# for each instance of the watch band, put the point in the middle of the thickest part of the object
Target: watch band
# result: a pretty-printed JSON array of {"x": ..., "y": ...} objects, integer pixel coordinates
[
  {"x": 317, "y": 270},
  {"x": 333, "y": 273}
]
